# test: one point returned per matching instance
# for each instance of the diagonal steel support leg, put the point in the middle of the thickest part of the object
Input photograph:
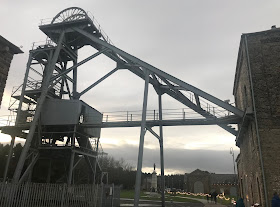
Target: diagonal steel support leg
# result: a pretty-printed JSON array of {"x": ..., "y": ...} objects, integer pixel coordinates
[
  {"x": 46, "y": 81},
  {"x": 29, "y": 168},
  {"x": 70, "y": 173},
  {"x": 141, "y": 143},
  {"x": 9, "y": 158}
]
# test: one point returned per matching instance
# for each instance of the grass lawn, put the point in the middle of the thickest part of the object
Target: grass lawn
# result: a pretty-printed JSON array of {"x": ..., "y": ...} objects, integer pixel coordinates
[{"x": 130, "y": 194}]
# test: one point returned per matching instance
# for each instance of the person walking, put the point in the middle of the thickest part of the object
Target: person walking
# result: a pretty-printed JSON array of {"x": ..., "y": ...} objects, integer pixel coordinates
[
  {"x": 275, "y": 202},
  {"x": 214, "y": 194},
  {"x": 240, "y": 203},
  {"x": 211, "y": 196}
]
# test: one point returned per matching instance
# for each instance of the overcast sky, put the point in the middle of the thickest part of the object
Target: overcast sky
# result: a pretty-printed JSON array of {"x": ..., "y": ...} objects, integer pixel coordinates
[{"x": 194, "y": 40}]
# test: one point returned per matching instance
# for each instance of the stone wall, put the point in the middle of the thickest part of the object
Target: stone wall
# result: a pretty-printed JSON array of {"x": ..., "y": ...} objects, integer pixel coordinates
[
  {"x": 262, "y": 98},
  {"x": 200, "y": 181},
  {"x": 7, "y": 51},
  {"x": 226, "y": 189},
  {"x": 5, "y": 62},
  {"x": 195, "y": 177}
]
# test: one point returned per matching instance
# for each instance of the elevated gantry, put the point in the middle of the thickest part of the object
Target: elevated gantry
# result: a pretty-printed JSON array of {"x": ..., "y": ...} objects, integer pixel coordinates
[{"x": 49, "y": 105}]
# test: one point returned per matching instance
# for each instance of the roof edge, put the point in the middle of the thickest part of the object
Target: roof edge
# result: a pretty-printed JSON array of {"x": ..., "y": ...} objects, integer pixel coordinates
[{"x": 13, "y": 47}]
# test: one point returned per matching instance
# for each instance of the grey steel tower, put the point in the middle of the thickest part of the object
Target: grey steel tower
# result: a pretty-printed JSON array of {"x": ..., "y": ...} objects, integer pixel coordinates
[{"x": 49, "y": 110}]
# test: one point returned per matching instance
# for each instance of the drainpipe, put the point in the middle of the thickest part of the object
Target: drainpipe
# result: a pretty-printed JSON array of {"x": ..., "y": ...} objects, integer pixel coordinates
[{"x": 256, "y": 121}]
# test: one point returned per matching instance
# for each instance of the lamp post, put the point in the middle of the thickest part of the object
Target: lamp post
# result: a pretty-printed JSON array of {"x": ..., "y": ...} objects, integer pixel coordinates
[{"x": 232, "y": 153}]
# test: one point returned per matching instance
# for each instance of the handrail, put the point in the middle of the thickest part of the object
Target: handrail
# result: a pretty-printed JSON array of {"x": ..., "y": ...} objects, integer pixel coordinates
[{"x": 168, "y": 114}]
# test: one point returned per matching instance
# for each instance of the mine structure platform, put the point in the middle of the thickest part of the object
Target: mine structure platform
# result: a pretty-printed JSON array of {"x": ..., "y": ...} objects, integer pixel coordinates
[{"x": 49, "y": 110}]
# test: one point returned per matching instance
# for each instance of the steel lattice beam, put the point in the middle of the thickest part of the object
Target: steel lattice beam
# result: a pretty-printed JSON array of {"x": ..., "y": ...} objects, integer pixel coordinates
[{"x": 161, "y": 73}]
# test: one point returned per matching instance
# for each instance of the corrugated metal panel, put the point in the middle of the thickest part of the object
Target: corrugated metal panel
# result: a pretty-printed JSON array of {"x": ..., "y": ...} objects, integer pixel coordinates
[
  {"x": 61, "y": 112},
  {"x": 92, "y": 116}
]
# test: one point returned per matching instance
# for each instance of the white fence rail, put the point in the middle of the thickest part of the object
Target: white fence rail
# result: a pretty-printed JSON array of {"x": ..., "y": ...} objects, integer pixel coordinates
[{"x": 49, "y": 195}]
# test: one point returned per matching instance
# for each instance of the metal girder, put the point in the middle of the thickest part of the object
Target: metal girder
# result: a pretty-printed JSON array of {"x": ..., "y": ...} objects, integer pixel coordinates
[
  {"x": 197, "y": 100},
  {"x": 60, "y": 71},
  {"x": 69, "y": 51},
  {"x": 141, "y": 142},
  {"x": 24, "y": 87},
  {"x": 184, "y": 100},
  {"x": 70, "y": 172},
  {"x": 78, "y": 64},
  {"x": 175, "y": 87},
  {"x": 197, "y": 108},
  {"x": 85, "y": 153},
  {"x": 166, "y": 89},
  {"x": 155, "y": 70},
  {"x": 161, "y": 152},
  {"x": 181, "y": 98},
  {"x": 29, "y": 168},
  {"x": 97, "y": 82},
  {"x": 44, "y": 91},
  {"x": 77, "y": 162},
  {"x": 67, "y": 87},
  {"x": 56, "y": 69},
  {"x": 56, "y": 81},
  {"x": 179, "y": 122},
  {"x": 9, "y": 158},
  {"x": 88, "y": 161},
  {"x": 153, "y": 132},
  {"x": 233, "y": 119}
]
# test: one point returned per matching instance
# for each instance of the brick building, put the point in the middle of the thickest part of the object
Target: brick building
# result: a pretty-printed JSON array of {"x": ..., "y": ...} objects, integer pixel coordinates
[
  {"x": 7, "y": 51},
  {"x": 200, "y": 181},
  {"x": 257, "y": 92}
]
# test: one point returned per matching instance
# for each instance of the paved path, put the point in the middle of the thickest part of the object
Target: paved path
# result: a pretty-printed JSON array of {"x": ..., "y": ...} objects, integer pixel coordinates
[
  {"x": 149, "y": 203},
  {"x": 214, "y": 205}
]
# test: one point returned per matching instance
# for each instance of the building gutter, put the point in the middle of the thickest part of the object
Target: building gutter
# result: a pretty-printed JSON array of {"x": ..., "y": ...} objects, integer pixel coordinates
[{"x": 256, "y": 121}]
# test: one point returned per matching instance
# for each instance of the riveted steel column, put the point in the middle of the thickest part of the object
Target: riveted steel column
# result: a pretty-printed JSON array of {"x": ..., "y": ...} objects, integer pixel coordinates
[
  {"x": 75, "y": 73},
  {"x": 96, "y": 160},
  {"x": 161, "y": 152},
  {"x": 70, "y": 173},
  {"x": 9, "y": 158},
  {"x": 41, "y": 100},
  {"x": 141, "y": 143}
]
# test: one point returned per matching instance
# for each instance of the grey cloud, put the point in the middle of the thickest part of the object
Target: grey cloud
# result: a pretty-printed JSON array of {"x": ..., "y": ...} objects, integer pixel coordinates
[
  {"x": 177, "y": 159},
  {"x": 196, "y": 41}
]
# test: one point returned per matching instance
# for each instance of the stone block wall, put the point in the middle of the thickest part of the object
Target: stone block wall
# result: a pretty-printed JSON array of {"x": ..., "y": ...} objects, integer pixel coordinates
[
  {"x": 198, "y": 176},
  {"x": 7, "y": 51},
  {"x": 263, "y": 49},
  {"x": 5, "y": 62}
]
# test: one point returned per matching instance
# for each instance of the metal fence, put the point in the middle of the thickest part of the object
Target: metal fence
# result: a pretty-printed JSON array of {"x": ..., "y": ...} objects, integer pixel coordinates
[{"x": 50, "y": 195}]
